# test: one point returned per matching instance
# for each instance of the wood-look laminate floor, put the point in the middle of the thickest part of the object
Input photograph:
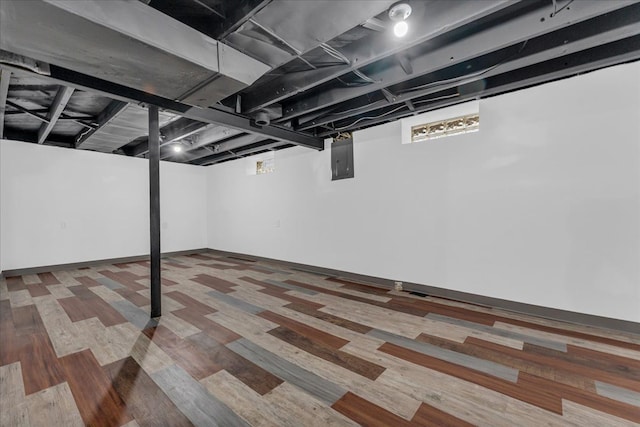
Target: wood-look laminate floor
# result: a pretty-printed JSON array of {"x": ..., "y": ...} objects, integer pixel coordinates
[{"x": 251, "y": 343}]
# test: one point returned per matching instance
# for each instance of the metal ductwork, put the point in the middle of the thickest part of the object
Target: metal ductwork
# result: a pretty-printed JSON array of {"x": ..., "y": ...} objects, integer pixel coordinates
[
  {"x": 262, "y": 118},
  {"x": 129, "y": 43}
]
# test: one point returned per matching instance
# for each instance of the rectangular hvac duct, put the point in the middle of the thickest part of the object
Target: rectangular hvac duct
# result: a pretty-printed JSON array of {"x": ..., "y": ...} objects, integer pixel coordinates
[{"x": 129, "y": 43}]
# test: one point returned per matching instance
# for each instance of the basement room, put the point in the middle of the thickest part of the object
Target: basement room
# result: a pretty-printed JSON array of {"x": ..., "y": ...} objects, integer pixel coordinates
[{"x": 319, "y": 213}]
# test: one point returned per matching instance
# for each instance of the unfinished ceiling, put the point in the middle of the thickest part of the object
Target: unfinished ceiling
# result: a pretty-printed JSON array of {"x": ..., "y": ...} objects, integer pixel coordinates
[{"x": 239, "y": 77}]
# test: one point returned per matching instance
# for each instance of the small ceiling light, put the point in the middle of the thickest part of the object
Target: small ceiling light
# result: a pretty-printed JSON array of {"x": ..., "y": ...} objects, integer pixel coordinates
[
  {"x": 177, "y": 148},
  {"x": 400, "y": 29},
  {"x": 399, "y": 13}
]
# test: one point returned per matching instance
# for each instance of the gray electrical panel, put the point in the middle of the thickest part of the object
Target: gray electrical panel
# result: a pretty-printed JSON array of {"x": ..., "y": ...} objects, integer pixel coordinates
[{"x": 342, "y": 159}]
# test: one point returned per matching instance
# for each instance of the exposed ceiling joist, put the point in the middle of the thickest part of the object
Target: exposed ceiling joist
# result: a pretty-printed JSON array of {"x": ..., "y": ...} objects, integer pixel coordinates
[
  {"x": 431, "y": 15},
  {"x": 219, "y": 157},
  {"x": 517, "y": 30},
  {"x": 5, "y": 78},
  {"x": 585, "y": 35},
  {"x": 206, "y": 115},
  {"x": 580, "y": 62},
  {"x": 238, "y": 15},
  {"x": 206, "y": 137},
  {"x": 174, "y": 131},
  {"x": 59, "y": 103},
  {"x": 230, "y": 144},
  {"x": 109, "y": 113}
]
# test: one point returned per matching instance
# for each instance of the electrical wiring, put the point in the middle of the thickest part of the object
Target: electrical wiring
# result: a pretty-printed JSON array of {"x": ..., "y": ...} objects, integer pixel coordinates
[
  {"x": 354, "y": 84},
  {"x": 363, "y": 76},
  {"x": 424, "y": 101},
  {"x": 467, "y": 76},
  {"x": 370, "y": 118},
  {"x": 394, "y": 110},
  {"x": 331, "y": 51}
]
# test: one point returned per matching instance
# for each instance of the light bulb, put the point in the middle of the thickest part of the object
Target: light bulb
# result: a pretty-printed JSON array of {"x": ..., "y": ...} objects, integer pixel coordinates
[
  {"x": 177, "y": 148},
  {"x": 400, "y": 28}
]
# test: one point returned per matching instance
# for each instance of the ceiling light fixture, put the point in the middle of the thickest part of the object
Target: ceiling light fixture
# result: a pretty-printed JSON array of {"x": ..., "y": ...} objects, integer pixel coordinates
[
  {"x": 177, "y": 148},
  {"x": 399, "y": 13}
]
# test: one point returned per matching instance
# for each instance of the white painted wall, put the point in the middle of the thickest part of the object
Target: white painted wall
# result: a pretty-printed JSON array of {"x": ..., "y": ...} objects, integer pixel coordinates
[
  {"x": 63, "y": 206},
  {"x": 542, "y": 206}
]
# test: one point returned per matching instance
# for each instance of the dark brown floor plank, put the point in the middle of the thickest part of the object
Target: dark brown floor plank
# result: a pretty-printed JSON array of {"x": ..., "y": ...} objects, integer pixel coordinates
[
  {"x": 98, "y": 402},
  {"x": 191, "y": 303},
  {"x": 215, "y": 283},
  {"x": 540, "y": 397},
  {"x": 76, "y": 309},
  {"x": 183, "y": 352},
  {"x": 218, "y": 266},
  {"x": 201, "y": 257},
  {"x": 305, "y": 330},
  {"x": 48, "y": 279},
  {"x": 514, "y": 359},
  {"x": 86, "y": 305},
  {"x": 10, "y": 345},
  {"x": 38, "y": 290},
  {"x": 591, "y": 400},
  {"x": 213, "y": 329},
  {"x": 145, "y": 401},
  {"x": 133, "y": 296},
  {"x": 340, "y": 358},
  {"x": 605, "y": 361},
  {"x": 167, "y": 282},
  {"x": 123, "y": 265},
  {"x": 330, "y": 318},
  {"x": 176, "y": 265},
  {"x": 125, "y": 278},
  {"x": 355, "y": 286},
  {"x": 88, "y": 281},
  {"x": 281, "y": 293},
  {"x": 39, "y": 362},
  {"x": 427, "y": 415},
  {"x": 40, "y": 366},
  {"x": 571, "y": 333},
  {"x": 15, "y": 284},
  {"x": 449, "y": 310},
  {"x": 366, "y": 413},
  {"x": 622, "y": 376},
  {"x": 246, "y": 371}
]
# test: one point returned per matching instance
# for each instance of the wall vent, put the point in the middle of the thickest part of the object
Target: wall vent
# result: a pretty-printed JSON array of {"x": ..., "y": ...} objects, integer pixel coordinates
[{"x": 443, "y": 128}]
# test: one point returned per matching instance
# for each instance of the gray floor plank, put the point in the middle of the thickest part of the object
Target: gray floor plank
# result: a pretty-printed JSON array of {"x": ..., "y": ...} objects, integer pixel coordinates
[
  {"x": 134, "y": 314},
  {"x": 322, "y": 389},
  {"x": 109, "y": 283},
  {"x": 193, "y": 399},
  {"x": 235, "y": 302},
  {"x": 618, "y": 393},
  {"x": 554, "y": 345},
  {"x": 291, "y": 287},
  {"x": 486, "y": 366}
]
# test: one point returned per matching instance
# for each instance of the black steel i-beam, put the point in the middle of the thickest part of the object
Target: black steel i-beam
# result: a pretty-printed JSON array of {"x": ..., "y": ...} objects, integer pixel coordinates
[{"x": 154, "y": 208}]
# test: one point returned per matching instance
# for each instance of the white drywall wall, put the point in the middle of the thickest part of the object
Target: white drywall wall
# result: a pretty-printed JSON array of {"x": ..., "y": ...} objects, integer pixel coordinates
[
  {"x": 62, "y": 206},
  {"x": 541, "y": 206}
]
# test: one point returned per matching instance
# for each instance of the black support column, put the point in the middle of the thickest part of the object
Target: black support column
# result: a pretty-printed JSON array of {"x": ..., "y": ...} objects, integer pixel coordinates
[{"x": 154, "y": 209}]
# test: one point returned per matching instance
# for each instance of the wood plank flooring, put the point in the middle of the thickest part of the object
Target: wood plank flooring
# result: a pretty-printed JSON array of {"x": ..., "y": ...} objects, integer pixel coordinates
[{"x": 247, "y": 343}]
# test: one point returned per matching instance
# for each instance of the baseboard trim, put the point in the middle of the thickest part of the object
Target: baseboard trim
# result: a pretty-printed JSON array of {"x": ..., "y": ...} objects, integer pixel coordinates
[
  {"x": 517, "y": 307},
  {"x": 74, "y": 265}
]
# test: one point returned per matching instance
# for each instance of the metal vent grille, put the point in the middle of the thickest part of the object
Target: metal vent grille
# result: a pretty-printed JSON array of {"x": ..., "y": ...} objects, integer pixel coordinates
[{"x": 449, "y": 127}]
